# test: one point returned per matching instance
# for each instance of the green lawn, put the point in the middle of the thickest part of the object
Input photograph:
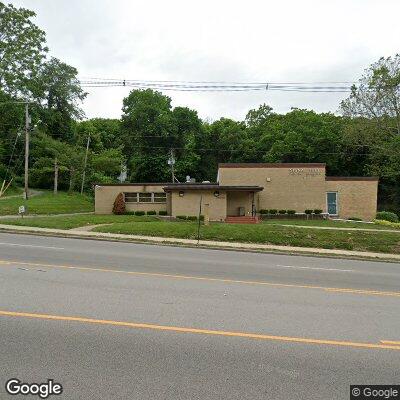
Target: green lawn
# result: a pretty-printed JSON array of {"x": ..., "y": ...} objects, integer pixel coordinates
[
  {"x": 48, "y": 203},
  {"x": 386, "y": 242},
  {"x": 75, "y": 221},
  {"x": 11, "y": 191},
  {"x": 325, "y": 223}
]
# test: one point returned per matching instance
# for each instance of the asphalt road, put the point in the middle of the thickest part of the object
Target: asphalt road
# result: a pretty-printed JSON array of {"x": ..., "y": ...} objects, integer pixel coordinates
[{"x": 133, "y": 321}]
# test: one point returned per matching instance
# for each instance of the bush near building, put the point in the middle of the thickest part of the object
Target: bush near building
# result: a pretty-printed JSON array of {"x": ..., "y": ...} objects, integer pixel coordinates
[
  {"x": 119, "y": 205},
  {"x": 387, "y": 216}
]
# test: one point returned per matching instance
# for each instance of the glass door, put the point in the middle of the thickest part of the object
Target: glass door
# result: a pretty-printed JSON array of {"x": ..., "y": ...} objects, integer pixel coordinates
[{"x": 331, "y": 199}]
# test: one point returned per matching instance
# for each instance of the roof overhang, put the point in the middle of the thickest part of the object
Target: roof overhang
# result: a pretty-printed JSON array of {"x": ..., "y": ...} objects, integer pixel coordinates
[{"x": 208, "y": 186}]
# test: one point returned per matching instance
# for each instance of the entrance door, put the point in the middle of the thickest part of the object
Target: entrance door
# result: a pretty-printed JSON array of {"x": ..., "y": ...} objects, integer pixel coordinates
[{"x": 331, "y": 199}]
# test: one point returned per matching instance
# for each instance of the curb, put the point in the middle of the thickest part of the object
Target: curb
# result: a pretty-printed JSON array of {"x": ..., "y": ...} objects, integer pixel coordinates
[{"x": 214, "y": 245}]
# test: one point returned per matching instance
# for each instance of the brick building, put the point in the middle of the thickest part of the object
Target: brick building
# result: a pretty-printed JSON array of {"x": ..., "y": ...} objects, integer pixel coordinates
[{"x": 244, "y": 189}]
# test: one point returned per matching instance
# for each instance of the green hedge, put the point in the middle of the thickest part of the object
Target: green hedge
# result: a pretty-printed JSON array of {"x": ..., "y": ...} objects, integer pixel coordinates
[
  {"x": 387, "y": 216},
  {"x": 139, "y": 213},
  {"x": 162, "y": 212}
]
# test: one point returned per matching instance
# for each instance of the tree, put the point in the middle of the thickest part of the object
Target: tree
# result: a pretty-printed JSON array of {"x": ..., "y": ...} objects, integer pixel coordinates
[
  {"x": 22, "y": 48},
  {"x": 58, "y": 90},
  {"x": 147, "y": 134},
  {"x": 373, "y": 109},
  {"x": 376, "y": 99}
]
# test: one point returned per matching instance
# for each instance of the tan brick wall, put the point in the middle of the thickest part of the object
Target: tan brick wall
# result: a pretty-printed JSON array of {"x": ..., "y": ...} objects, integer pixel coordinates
[
  {"x": 189, "y": 204},
  {"x": 239, "y": 199},
  {"x": 105, "y": 197},
  {"x": 284, "y": 188},
  {"x": 355, "y": 198}
]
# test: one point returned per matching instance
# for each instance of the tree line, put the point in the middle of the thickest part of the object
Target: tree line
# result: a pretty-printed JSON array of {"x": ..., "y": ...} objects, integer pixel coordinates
[{"x": 363, "y": 139}]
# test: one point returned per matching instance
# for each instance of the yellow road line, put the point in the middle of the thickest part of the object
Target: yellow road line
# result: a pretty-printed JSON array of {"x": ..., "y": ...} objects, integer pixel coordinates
[
  {"x": 200, "y": 331},
  {"x": 199, "y": 278},
  {"x": 391, "y": 342}
]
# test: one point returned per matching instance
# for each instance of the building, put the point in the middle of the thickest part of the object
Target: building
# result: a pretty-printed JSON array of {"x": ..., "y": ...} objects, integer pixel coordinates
[{"x": 244, "y": 189}]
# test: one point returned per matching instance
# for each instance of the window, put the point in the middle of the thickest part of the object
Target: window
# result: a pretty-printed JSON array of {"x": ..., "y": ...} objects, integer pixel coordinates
[
  {"x": 131, "y": 197},
  {"x": 160, "y": 197},
  {"x": 145, "y": 197}
]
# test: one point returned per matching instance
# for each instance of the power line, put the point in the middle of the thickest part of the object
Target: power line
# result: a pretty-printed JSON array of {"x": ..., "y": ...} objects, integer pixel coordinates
[{"x": 215, "y": 86}]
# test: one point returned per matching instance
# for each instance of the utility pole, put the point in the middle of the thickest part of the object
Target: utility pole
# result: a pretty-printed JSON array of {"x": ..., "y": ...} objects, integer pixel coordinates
[
  {"x": 27, "y": 121},
  {"x": 171, "y": 162},
  {"x": 55, "y": 176},
  {"x": 85, "y": 163}
]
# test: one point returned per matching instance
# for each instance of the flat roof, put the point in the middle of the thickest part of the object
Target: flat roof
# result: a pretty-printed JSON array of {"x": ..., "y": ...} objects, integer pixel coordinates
[
  {"x": 271, "y": 165},
  {"x": 212, "y": 186},
  {"x": 351, "y": 178},
  {"x": 133, "y": 184}
]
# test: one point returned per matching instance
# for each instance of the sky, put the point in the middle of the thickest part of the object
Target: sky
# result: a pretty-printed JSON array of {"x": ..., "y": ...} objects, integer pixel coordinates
[{"x": 219, "y": 40}]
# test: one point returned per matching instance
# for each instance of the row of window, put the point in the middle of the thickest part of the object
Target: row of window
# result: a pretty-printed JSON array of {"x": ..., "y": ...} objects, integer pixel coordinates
[{"x": 145, "y": 197}]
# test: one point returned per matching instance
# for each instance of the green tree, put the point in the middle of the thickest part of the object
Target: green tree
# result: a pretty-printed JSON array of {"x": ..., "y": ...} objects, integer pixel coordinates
[
  {"x": 373, "y": 109},
  {"x": 22, "y": 48},
  {"x": 58, "y": 90}
]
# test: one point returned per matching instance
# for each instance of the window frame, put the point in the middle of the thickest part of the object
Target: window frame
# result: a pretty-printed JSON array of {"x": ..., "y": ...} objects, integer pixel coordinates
[{"x": 153, "y": 196}]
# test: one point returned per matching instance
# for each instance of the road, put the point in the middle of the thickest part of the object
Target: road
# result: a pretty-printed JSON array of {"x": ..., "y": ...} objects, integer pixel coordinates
[{"x": 113, "y": 320}]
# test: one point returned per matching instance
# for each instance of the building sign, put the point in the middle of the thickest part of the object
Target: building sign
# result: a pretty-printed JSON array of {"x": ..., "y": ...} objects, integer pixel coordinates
[{"x": 305, "y": 172}]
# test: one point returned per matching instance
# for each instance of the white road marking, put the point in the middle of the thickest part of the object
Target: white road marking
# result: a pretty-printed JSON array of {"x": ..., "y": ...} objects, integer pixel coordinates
[
  {"x": 32, "y": 245},
  {"x": 316, "y": 268}
]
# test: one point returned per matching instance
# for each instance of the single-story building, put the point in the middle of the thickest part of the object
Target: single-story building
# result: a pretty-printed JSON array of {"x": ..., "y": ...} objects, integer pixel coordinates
[{"x": 244, "y": 189}]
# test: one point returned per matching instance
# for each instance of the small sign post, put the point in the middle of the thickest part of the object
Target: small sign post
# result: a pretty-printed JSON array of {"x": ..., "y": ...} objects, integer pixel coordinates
[{"x": 21, "y": 211}]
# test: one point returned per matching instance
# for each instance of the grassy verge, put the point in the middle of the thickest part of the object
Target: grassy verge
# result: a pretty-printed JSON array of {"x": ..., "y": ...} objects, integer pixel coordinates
[
  {"x": 384, "y": 242},
  {"x": 12, "y": 191},
  {"x": 48, "y": 203},
  {"x": 325, "y": 223},
  {"x": 75, "y": 221}
]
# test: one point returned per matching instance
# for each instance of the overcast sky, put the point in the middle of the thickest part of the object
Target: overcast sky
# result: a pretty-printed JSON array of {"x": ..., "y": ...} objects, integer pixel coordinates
[{"x": 219, "y": 40}]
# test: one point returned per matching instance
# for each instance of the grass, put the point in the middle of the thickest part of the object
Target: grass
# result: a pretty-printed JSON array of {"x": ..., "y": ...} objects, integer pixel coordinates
[
  {"x": 385, "y": 242},
  {"x": 48, "y": 203},
  {"x": 75, "y": 221},
  {"x": 266, "y": 233},
  {"x": 325, "y": 223},
  {"x": 12, "y": 191}
]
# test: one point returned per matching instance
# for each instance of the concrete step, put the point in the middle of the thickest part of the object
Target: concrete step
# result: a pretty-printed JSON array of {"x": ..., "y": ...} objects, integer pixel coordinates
[{"x": 242, "y": 220}]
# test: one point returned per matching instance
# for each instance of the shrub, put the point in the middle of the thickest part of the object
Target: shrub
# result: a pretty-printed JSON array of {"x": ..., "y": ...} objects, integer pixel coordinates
[
  {"x": 162, "y": 212},
  {"x": 129, "y": 213},
  {"x": 282, "y": 212},
  {"x": 308, "y": 212},
  {"x": 354, "y": 219},
  {"x": 139, "y": 213},
  {"x": 291, "y": 212},
  {"x": 201, "y": 217},
  {"x": 191, "y": 218},
  {"x": 181, "y": 217},
  {"x": 152, "y": 212},
  {"x": 395, "y": 225},
  {"x": 387, "y": 216},
  {"x": 272, "y": 212},
  {"x": 263, "y": 211},
  {"x": 119, "y": 205},
  {"x": 317, "y": 212}
]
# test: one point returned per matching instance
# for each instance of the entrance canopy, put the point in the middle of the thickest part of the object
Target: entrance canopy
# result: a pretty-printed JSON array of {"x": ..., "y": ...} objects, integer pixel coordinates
[{"x": 218, "y": 201}]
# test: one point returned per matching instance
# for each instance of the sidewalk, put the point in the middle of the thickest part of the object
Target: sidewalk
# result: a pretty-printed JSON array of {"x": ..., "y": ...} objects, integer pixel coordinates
[{"x": 194, "y": 243}]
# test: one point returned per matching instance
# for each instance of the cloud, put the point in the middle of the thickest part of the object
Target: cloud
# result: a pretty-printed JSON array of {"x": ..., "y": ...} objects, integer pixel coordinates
[{"x": 275, "y": 41}]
